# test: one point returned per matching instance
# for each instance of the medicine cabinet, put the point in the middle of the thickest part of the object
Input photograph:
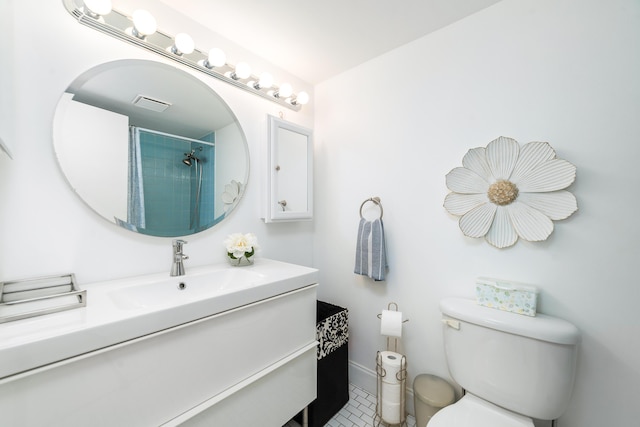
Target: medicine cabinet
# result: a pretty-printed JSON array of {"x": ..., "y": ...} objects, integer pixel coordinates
[{"x": 289, "y": 172}]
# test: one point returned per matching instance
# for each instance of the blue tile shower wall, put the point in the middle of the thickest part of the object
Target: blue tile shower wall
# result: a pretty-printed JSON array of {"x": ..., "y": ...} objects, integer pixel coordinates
[{"x": 170, "y": 186}]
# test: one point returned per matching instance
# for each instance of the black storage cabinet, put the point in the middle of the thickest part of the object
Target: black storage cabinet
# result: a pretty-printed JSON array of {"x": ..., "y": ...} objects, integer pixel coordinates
[{"x": 332, "y": 332}]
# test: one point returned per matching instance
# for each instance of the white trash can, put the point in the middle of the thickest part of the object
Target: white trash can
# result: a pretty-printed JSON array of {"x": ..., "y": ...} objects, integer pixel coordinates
[{"x": 430, "y": 394}]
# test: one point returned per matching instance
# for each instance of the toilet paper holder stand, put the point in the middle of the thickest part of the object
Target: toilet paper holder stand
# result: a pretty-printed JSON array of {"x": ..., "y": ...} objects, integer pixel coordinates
[
  {"x": 400, "y": 381},
  {"x": 384, "y": 415},
  {"x": 392, "y": 306}
]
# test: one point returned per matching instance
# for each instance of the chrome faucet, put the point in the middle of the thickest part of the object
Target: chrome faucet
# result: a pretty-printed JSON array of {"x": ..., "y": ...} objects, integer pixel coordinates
[{"x": 177, "y": 268}]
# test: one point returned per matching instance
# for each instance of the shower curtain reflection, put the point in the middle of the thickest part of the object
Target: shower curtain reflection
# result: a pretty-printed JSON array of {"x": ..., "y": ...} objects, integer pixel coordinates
[
  {"x": 135, "y": 194},
  {"x": 168, "y": 197}
]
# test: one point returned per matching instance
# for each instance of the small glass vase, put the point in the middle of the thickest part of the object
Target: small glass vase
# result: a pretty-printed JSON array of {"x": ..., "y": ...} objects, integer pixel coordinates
[{"x": 240, "y": 262}]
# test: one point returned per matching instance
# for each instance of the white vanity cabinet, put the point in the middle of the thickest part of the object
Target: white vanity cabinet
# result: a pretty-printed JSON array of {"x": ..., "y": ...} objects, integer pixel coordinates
[{"x": 252, "y": 365}]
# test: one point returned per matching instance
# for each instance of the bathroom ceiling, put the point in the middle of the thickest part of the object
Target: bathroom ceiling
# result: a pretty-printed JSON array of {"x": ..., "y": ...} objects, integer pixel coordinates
[{"x": 316, "y": 40}]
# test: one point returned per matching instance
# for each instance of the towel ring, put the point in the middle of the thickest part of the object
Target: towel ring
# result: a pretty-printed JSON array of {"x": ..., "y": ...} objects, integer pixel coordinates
[{"x": 375, "y": 200}]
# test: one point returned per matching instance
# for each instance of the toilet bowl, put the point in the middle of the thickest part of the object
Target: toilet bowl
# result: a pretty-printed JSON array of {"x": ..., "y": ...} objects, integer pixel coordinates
[
  {"x": 514, "y": 368},
  {"x": 471, "y": 411}
]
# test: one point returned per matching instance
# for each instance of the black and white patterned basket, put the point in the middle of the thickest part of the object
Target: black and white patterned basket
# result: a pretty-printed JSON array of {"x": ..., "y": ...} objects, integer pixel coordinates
[{"x": 332, "y": 333}]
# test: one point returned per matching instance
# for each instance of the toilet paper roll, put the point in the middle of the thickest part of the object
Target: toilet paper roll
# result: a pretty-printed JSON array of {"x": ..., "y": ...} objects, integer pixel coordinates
[
  {"x": 391, "y": 413},
  {"x": 391, "y": 393},
  {"x": 391, "y": 323},
  {"x": 391, "y": 365}
]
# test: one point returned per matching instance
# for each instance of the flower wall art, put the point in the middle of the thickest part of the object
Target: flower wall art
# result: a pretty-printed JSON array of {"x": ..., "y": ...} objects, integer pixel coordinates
[{"x": 505, "y": 191}]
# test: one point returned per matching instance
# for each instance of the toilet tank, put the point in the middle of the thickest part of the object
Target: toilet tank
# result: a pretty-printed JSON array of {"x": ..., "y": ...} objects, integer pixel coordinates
[{"x": 521, "y": 363}]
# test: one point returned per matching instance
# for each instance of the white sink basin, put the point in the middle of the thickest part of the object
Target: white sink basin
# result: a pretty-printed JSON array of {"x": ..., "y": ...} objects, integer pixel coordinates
[
  {"x": 184, "y": 289},
  {"x": 126, "y": 309}
]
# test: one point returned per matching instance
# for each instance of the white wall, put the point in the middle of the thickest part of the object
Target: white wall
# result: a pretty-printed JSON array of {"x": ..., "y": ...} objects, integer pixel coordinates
[
  {"x": 6, "y": 77},
  {"x": 226, "y": 148},
  {"x": 44, "y": 227},
  {"x": 84, "y": 131},
  {"x": 562, "y": 71}
]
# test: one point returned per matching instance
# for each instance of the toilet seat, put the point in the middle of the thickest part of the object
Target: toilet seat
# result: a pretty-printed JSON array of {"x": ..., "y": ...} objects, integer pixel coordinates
[{"x": 471, "y": 411}]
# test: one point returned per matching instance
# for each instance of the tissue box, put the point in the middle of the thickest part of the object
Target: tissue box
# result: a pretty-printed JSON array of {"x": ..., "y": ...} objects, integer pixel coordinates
[{"x": 507, "y": 296}]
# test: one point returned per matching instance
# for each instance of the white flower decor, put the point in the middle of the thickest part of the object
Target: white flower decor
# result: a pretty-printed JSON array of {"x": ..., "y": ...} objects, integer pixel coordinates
[
  {"x": 241, "y": 245},
  {"x": 231, "y": 194},
  {"x": 505, "y": 191}
]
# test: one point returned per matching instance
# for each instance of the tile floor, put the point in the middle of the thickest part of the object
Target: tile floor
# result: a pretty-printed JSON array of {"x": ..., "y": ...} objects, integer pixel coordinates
[{"x": 358, "y": 412}]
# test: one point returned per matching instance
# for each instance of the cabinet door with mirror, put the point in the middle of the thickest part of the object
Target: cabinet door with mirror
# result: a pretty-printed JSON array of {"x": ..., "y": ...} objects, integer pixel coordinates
[
  {"x": 290, "y": 172},
  {"x": 150, "y": 148}
]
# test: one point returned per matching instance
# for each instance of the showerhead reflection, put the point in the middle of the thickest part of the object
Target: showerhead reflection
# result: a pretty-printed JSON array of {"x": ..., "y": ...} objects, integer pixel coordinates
[{"x": 190, "y": 158}]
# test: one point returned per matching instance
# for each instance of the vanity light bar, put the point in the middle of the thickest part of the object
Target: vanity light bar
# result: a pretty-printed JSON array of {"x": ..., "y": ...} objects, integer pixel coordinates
[{"x": 118, "y": 25}]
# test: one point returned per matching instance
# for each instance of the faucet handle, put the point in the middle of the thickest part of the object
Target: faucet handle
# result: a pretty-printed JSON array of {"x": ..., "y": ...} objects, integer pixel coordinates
[{"x": 178, "y": 244}]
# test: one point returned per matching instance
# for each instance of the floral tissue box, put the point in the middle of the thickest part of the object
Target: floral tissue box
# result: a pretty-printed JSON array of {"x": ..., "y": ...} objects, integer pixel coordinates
[{"x": 508, "y": 296}]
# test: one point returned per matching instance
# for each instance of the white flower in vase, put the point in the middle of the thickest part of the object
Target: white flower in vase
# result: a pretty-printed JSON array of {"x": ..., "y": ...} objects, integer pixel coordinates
[{"x": 241, "y": 246}]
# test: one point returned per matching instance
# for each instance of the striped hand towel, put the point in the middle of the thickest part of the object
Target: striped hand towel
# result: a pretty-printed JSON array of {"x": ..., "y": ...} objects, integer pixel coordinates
[{"x": 371, "y": 257}]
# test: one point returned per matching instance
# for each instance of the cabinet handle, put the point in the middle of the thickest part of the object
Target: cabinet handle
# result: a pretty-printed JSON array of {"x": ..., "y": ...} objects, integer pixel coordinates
[{"x": 282, "y": 203}]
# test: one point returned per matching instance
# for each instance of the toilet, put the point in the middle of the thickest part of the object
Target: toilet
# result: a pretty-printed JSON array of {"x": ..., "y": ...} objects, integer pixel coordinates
[{"x": 512, "y": 367}]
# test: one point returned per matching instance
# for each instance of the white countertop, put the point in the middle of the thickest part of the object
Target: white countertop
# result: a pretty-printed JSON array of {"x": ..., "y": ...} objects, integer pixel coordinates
[{"x": 125, "y": 309}]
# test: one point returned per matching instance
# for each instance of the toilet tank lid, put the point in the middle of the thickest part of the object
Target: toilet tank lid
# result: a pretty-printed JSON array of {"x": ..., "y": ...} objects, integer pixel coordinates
[{"x": 541, "y": 327}]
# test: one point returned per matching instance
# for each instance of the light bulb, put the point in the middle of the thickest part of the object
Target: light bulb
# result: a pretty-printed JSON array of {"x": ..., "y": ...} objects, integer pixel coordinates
[
  {"x": 144, "y": 24},
  {"x": 284, "y": 91},
  {"x": 183, "y": 44},
  {"x": 301, "y": 99},
  {"x": 98, "y": 7},
  {"x": 242, "y": 71},
  {"x": 216, "y": 58},
  {"x": 265, "y": 82}
]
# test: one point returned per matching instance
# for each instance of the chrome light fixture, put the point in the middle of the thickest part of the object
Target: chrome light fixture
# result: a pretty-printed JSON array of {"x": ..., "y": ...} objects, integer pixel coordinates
[
  {"x": 216, "y": 58},
  {"x": 301, "y": 99},
  {"x": 284, "y": 91},
  {"x": 242, "y": 71},
  {"x": 97, "y": 8},
  {"x": 183, "y": 44},
  {"x": 144, "y": 24},
  {"x": 265, "y": 81},
  {"x": 141, "y": 30}
]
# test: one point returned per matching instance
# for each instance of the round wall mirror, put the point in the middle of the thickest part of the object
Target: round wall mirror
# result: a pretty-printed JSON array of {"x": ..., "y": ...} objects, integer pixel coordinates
[{"x": 150, "y": 148}]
